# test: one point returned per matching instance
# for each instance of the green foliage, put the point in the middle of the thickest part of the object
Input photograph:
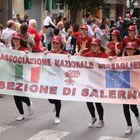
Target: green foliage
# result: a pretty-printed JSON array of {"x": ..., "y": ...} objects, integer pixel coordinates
[{"x": 131, "y": 3}]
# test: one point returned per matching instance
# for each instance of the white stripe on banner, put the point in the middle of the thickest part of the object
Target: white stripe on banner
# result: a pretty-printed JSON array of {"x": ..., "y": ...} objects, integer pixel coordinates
[
  {"x": 112, "y": 138},
  {"x": 4, "y": 128},
  {"x": 49, "y": 135}
]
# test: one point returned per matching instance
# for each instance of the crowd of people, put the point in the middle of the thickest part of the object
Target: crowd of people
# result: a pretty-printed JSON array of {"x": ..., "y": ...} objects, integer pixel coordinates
[{"x": 94, "y": 38}]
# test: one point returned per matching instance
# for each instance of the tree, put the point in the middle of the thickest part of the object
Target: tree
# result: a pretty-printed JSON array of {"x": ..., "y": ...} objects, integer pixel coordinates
[
  {"x": 88, "y": 5},
  {"x": 131, "y": 2},
  {"x": 131, "y": 5}
]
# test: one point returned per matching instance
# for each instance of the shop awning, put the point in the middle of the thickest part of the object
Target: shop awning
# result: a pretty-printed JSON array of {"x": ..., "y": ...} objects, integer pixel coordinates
[
  {"x": 53, "y": 4},
  {"x": 27, "y": 4},
  {"x": 48, "y": 5}
]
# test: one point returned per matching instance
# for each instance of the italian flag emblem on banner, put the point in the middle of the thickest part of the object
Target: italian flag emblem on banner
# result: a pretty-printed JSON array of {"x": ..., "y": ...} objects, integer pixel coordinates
[{"x": 30, "y": 74}]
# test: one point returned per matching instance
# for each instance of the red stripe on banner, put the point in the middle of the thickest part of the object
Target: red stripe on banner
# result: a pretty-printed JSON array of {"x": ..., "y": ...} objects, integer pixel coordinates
[{"x": 35, "y": 74}]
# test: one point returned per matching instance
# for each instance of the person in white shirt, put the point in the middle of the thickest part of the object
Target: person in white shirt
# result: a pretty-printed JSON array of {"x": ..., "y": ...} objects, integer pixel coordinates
[
  {"x": 48, "y": 21},
  {"x": 7, "y": 33},
  {"x": 2, "y": 42},
  {"x": 90, "y": 26},
  {"x": 98, "y": 33},
  {"x": 62, "y": 31}
]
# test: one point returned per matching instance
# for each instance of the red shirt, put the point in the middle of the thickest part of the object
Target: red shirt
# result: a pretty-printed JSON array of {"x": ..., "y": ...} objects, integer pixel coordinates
[
  {"x": 128, "y": 39},
  {"x": 81, "y": 40},
  {"x": 37, "y": 38},
  {"x": 62, "y": 52},
  {"x": 111, "y": 46},
  {"x": 76, "y": 34},
  {"x": 22, "y": 48},
  {"x": 93, "y": 54}
]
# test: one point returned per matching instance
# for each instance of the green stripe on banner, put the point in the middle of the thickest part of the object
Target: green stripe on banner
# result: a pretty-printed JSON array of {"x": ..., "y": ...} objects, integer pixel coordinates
[{"x": 18, "y": 71}]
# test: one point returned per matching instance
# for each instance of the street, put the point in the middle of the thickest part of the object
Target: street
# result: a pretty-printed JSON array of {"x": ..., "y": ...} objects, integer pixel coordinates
[{"x": 74, "y": 122}]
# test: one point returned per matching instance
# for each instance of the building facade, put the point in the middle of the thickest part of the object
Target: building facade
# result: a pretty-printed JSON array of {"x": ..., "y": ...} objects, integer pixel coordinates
[
  {"x": 116, "y": 8},
  {"x": 36, "y": 9},
  {"x": 121, "y": 7},
  {"x": 5, "y": 10}
]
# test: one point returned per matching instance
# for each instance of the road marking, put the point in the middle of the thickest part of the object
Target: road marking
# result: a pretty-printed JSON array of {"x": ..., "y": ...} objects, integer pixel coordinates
[
  {"x": 49, "y": 135},
  {"x": 4, "y": 128},
  {"x": 112, "y": 138}
]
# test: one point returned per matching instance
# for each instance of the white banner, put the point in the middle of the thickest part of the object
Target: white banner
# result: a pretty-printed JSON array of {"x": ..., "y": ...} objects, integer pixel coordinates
[{"x": 72, "y": 78}]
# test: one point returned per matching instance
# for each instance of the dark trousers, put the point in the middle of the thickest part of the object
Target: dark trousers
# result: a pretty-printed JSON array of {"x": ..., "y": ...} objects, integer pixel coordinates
[
  {"x": 18, "y": 101},
  {"x": 50, "y": 26},
  {"x": 99, "y": 108},
  {"x": 126, "y": 110},
  {"x": 49, "y": 47},
  {"x": 57, "y": 104}
]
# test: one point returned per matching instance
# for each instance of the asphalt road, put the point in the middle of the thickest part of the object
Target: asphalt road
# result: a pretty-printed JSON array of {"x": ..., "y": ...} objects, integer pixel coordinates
[{"x": 74, "y": 122}]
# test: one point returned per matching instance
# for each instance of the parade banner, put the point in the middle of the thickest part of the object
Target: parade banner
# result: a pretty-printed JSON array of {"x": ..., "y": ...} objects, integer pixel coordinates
[{"x": 72, "y": 78}]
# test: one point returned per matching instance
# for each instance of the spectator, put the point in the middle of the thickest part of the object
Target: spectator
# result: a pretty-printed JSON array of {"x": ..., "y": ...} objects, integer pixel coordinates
[
  {"x": 26, "y": 37},
  {"x": 119, "y": 22},
  {"x": 36, "y": 36},
  {"x": 48, "y": 21},
  {"x": 7, "y": 33},
  {"x": 25, "y": 19},
  {"x": 76, "y": 33},
  {"x": 2, "y": 41},
  {"x": 90, "y": 29},
  {"x": 83, "y": 39},
  {"x": 114, "y": 47},
  {"x": 18, "y": 19}
]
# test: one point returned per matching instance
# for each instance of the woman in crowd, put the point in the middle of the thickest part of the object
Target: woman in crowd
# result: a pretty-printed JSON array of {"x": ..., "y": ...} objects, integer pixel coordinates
[
  {"x": 68, "y": 46},
  {"x": 38, "y": 47},
  {"x": 114, "y": 47},
  {"x": 132, "y": 37},
  {"x": 96, "y": 51},
  {"x": 26, "y": 37},
  {"x": 57, "y": 48},
  {"x": 83, "y": 39},
  {"x": 17, "y": 44},
  {"x": 75, "y": 34},
  {"x": 130, "y": 50}
]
